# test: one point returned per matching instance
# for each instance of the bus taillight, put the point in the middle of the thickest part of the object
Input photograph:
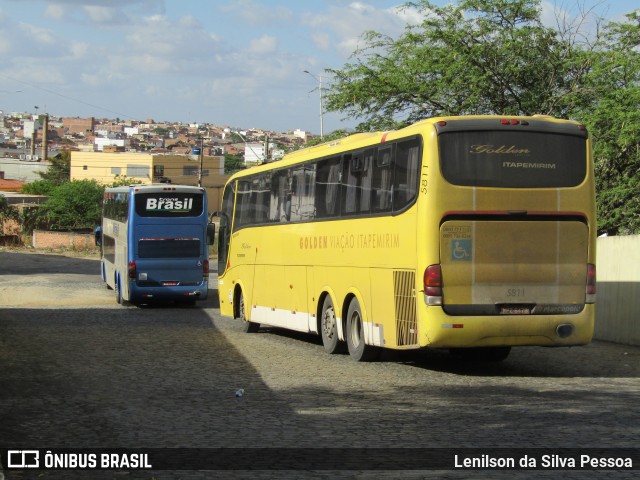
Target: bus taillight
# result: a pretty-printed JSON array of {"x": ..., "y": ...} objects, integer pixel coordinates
[
  {"x": 132, "y": 270},
  {"x": 433, "y": 285},
  {"x": 591, "y": 283},
  {"x": 205, "y": 270}
]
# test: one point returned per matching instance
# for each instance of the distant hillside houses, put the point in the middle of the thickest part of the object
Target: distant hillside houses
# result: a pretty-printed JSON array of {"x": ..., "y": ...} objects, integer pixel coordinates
[{"x": 28, "y": 140}]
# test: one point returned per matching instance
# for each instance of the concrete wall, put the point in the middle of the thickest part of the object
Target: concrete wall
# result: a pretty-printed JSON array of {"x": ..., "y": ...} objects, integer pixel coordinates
[{"x": 618, "y": 289}]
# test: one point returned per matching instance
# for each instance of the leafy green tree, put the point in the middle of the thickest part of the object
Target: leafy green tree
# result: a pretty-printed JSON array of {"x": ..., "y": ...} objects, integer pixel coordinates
[
  {"x": 59, "y": 171},
  {"x": 476, "y": 57},
  {"x": 39, "y": 187},
  {"x": 74, "y": 205},
  {"x": 497, "y": 57},
  {"x": 122, "y": 181},
  {"x": 5, "y": 210},
  {"x": 612, "y": 115},
  {"x": 335, "y": 135},
  {"x": 233, "y": 163}
]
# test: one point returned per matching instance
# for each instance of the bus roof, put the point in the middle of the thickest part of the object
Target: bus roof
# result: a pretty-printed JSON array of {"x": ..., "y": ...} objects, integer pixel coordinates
[
  {"x": 362, "y": 140},
  {"x": 155, "y": 187}
]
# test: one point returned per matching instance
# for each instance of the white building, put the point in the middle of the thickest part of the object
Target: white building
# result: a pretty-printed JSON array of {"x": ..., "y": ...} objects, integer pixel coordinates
[
  {"x": 101, "y": 142},
  {"x": 254, "y": 153},
  {"x": 31, "y": 126},
  {"x": 301, "y": 134}
]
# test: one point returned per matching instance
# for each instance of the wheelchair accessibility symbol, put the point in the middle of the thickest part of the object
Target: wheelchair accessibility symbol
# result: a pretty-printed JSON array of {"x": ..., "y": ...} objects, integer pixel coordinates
[{"x": 461, "y": 250}]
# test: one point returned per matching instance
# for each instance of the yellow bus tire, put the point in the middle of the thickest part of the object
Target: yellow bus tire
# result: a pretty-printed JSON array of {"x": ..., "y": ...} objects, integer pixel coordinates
[
  {"x": 328, "y": 327},
  {"x": 358, "y": 349},
  {"x": 239, "y": 310}
]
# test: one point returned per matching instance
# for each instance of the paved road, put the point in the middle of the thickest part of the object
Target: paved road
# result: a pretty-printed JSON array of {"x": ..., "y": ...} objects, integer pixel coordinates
[{"x": 91, "y": 373}]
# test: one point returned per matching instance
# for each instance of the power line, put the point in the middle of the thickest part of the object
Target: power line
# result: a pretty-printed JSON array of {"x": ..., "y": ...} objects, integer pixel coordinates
[{"x": 119, "y": 114}]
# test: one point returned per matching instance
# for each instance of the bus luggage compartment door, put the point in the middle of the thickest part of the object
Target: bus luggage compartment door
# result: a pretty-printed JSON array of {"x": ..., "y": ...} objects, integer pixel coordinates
[{"x": 513, "y": 267}]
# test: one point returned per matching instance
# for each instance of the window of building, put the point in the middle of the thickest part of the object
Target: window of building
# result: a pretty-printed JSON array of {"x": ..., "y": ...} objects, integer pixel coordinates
[
  {"x": 138, "y": 171},
  {"x": 190, "y": 171}
]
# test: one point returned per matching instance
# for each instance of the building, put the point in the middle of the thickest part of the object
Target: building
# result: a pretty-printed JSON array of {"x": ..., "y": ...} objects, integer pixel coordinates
[
  {"x": 102, "y": 142},
  {"x": 301, "y": 134},
  {"x": 146, "y": 168},
  {"x": 26, "y": 169},
  {"x": 82, "y": 126},
  {"x": 254, "y": 153}
]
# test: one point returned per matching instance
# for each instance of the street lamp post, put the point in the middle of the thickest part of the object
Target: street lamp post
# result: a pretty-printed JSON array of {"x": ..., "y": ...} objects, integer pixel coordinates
[{"x": 319, "y": 80}]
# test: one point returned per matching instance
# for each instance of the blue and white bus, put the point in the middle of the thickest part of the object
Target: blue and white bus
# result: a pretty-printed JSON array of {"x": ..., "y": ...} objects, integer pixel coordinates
[{"x": 154, "y": 241}]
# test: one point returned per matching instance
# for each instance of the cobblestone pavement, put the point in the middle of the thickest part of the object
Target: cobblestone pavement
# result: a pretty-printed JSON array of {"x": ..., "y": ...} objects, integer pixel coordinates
[{"x": 106, "y": 376}]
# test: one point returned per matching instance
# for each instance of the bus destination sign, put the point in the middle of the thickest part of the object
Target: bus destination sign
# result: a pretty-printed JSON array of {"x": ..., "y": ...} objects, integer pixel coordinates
[{"x": 169, "y": 204}]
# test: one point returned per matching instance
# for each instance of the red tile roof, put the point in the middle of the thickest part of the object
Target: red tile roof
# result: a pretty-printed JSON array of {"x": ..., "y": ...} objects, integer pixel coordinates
[{"x": 11, "y": 185}]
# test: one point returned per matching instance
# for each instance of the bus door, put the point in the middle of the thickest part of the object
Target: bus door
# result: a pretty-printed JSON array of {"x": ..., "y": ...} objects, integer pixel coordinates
[{"x": 224, "y": 230}]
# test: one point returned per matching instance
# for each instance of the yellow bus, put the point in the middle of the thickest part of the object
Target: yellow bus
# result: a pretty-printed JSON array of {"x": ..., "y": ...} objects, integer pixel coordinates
[{"x": 472, "y": 233}]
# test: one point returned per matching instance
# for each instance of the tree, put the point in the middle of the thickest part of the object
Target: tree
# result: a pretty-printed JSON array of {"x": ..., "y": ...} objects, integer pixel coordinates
[
  {"x": 497, "y": 57},
  {"x": 477, "y": 57},
  {"x": 233, "y": 163},
  {"x": 335, "y": 135},
  {"x": 123, "y": 181},
  {"x": 613, "y": 119},
  {"x": 74, "y": 205},
  {"x": 6, "y": 211},
  {"x": 39, "y": 187},
  {"x": 59, "y": 171}
]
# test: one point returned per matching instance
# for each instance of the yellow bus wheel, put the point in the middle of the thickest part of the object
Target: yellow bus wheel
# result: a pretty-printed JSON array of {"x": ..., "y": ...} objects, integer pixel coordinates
[
  {"x": 358, "y": 350},
  {"x": 329, "y": 327},
  {"x": 247, "y": 326}
]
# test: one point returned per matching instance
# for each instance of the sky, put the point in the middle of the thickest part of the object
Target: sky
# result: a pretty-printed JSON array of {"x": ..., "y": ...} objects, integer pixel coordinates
[{"x": 236, "y": 63}]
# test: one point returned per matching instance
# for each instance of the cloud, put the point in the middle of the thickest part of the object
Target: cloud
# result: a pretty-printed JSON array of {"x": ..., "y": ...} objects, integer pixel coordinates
[
  {"x": 242, "y": 59},
  {"x": 56, "y": 12},
  {"x": 101, "y": 14},
  {"x": 322, "y": 40},
  {"x": 79, "y": 50},
  {"x": 5, "y": 45},
  {"x": 256, "y": 14},
  {"x": 264, "y": 44},
  {"x": 345, "y": 24},
  {"x": 41, "y": 36}
]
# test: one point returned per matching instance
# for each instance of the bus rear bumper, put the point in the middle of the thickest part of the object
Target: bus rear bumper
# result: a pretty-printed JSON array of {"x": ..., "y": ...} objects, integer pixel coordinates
[
  {"x": 446, "y": 331},
  {"x": 149, "y": 294}
]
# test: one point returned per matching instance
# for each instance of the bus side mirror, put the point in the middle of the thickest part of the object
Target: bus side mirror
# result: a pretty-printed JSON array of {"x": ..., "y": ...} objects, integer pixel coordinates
[
  {"x": 98, "y": 236},
  {"x": 211, "y": 233}
]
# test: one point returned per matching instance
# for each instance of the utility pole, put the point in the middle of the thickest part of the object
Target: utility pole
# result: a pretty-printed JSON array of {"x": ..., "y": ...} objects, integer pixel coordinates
[
  {"x": 45, "y": 138},
  {"x": 267, "y": 153},
  {"x": 319, "y": 80},
  {"x": 201, "y": 162}
]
